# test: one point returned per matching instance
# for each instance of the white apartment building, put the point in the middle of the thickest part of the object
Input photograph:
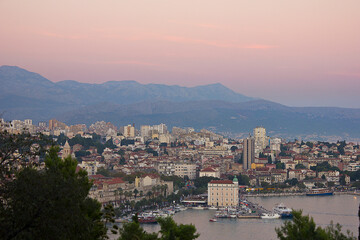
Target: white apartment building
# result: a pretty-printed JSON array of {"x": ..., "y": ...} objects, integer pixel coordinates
[
  {"x": 182, "y": 170},
  {"x": 260, "y": 139},
  {"x": 129, "y": 131}
]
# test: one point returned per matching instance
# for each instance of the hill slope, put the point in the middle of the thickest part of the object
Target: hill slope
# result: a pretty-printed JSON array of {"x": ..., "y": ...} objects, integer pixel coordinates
[{"x": 24, "y": 94}]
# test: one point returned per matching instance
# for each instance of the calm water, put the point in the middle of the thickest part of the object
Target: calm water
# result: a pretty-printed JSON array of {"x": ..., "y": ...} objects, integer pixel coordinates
[{"x": 339, "y": 208}]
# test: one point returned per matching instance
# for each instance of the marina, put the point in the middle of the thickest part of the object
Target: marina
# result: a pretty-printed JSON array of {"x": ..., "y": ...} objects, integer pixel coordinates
[{"x": 337, "y": 208}]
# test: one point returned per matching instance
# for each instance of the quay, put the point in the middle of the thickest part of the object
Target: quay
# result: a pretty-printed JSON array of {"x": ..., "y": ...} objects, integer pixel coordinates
[
  {"x": 274, "y": 194},
  {"x": 294, "y": 194}
]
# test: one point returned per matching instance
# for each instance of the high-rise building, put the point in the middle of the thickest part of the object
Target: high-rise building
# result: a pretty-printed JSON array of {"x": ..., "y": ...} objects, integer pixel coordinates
[
  {"x": 248, "y": 152},
  {"x": 260, "y": 139},
  {"x": 129, "y": 131},
  {"x": 28, "y": 122},
  {"x": 145, "y": 130}
]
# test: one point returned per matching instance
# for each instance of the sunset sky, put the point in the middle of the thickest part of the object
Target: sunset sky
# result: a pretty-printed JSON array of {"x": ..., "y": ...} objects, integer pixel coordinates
[{"x": 295, "y": 52}]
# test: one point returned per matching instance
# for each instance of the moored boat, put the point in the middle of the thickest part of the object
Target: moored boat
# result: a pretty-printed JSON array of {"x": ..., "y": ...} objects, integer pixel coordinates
[
  {"x": 270, "y": 216},
  {"x": 212, "y": 220},
  {"x": 320, "y": 192},
  {"x": 283, "y": 211},
  {"x": 150, "y": 220},
  {"x": 199, "y": 207}
]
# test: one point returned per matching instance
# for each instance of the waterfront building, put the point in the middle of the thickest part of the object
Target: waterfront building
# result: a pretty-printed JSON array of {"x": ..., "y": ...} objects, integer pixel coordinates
[
  {"x": 248, "y": 152},
  {"x": 223, "y": 193}
]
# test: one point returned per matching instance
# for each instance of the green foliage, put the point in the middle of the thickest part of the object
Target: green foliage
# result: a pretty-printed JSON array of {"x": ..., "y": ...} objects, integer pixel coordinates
[
  {"x": 152, "y": 151},
  {"x": 324, "y": 167},
  {"x": 51, "y": 204},
  {"x": 292, "y": 181},
  {"x": 169, "y": 231},
  {"x": 354, "y": 176},
  {"x": 356, "y": 185},
  {"x": 172, "y": 231},
  {"x": 178, "y": 181},
  {"x": 133, "y": 231},
  {"x": 109, "y": 218},
  {"x": 310, "y": 144},
  {"x": 280, "y": 165},
  {"x": 202, "y": 182},
  {"x": 342, "y": 180},
  {"x": 81, "y": 153},
  {"x": 304, "y": 227},
  {"x": 103, "y": 171},
  {"x": 300, "y": 166},
  {"x": 233, "y": 148},
  {"x": 17, "y": 150}
]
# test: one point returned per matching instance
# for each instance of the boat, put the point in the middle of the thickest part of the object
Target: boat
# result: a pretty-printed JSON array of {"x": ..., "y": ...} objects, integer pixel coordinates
[
  {"x": 213, "y": 208},
  {"x": 270, "y": 216},
  {"x": 212, "y": 220},
  {"x": 149, "y": 220},
  {"x": 283, "y": 211},
  {"x": 198, "y": 208},
  {"x": 320, "y": 192},
  {"x": 220, "y": 214}
]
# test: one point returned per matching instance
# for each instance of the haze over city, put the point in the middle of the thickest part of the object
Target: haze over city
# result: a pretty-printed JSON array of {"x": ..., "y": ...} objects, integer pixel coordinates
[{"x": 298, "y": 53}]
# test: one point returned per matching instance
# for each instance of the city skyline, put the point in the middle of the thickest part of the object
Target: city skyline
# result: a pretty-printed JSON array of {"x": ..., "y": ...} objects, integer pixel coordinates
[{"x": 295, "y": 53}]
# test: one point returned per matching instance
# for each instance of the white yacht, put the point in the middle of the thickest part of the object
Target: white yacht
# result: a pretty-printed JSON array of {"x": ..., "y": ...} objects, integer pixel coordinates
[{"x": 283, "y": 211}]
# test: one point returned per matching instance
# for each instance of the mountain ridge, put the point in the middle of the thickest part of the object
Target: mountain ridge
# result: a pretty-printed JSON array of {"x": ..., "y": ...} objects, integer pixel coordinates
[{"x": 26, "y": 94}]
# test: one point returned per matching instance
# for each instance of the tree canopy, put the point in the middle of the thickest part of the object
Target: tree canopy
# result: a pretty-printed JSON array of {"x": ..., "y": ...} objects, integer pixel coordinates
[
  {"x": 170, "y": 230},
  {"x": 304, "y": 227},
  {"x": 52, "y": 203}
]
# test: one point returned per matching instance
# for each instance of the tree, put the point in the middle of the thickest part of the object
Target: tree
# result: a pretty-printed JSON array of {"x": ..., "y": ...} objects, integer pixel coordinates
[
  {"x": 103, "y": 171},
  {"x": 19, "y": 150},
  {"x": 300, "y": 166},
  {"x": 342, "y": 180},
  {"x": 280, "y": 165},
  {"x": 202, "y": 182},
  {"x": 304, "y": 227},
  {"x": 149, "y": 194},
  {"x": 133, "y": 231},
  {"x": 292, "y": 181},
  {"x": 50, "y": 204},
  {"x": 171, "y": 231},
  {"x": 136, "y": 192},
  {"x": 108, "y": 216},
  {"x": 233, "y": 148}
]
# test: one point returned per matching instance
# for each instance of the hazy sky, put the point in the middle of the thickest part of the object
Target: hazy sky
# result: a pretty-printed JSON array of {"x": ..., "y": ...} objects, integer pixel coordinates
[{"x": 296, "y": 52}]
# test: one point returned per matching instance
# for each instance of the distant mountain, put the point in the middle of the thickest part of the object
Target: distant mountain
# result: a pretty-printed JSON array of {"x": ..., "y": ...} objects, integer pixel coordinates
[
  {"x": 24, "y": 94},
  {"x": 227, "y": 117}
]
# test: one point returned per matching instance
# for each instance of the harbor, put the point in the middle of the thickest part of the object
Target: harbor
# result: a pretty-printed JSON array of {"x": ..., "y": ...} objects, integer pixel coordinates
[{"x": 338, "y": 208}]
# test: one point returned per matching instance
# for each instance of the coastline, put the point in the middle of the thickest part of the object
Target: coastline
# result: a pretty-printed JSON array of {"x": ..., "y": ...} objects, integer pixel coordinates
[{"x": 294, "y": 194}]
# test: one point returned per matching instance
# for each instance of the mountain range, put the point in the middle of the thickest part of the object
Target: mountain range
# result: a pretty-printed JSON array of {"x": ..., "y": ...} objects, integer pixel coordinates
[{"x": 25, "y": 94}]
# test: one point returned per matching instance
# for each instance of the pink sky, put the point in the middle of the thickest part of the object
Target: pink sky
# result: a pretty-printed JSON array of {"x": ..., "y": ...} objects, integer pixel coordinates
[{"x": 298, "y": 52}]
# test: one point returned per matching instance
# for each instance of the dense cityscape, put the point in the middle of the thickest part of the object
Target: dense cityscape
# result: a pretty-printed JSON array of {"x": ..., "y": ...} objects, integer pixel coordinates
[
  {"x": 179, "y": 120},
  {"x": 142, "y": 162}
]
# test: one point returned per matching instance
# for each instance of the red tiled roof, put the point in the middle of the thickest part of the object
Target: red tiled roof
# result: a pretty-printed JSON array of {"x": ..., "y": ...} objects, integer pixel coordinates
[
  {"x": 222, "y": 181},
  {"x": 114, "y": 181},
  {"x": 208, "y": 169},
  {"x": 96, "y": 176}
]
